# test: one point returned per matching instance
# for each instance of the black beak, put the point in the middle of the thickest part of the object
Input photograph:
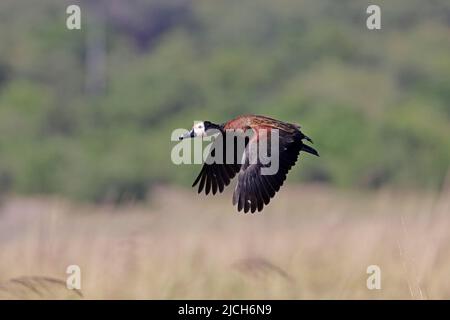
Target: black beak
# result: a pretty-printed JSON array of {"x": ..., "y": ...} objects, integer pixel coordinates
[{"x": 190, "y": 134}]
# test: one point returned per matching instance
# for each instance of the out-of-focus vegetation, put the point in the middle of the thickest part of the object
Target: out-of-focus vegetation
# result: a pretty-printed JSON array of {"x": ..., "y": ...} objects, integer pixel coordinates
[
  {"x": 318, "y": 246},
  {"x": 88, "y": 114}
]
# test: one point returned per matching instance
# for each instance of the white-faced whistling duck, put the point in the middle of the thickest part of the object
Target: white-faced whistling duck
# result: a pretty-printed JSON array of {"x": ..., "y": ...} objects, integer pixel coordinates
[{"x": 253, "y": 190}]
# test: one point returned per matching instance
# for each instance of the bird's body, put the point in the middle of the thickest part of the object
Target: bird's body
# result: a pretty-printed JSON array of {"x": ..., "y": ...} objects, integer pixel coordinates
[{"x": 255, "y": 188}]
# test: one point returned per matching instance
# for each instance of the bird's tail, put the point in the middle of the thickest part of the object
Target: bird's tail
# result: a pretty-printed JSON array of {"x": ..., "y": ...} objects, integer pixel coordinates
[{"x": 309, "y": 149}]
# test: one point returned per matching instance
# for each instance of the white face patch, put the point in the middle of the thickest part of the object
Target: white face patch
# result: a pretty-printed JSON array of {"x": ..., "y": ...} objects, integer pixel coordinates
[{"x": 199, "y": 129}]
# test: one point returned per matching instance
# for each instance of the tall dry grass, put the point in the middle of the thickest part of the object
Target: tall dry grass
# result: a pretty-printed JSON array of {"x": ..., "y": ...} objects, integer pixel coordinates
[{"x": 311, "y": 242}]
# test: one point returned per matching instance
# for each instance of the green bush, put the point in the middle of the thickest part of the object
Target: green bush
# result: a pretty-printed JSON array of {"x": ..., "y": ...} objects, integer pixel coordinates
[{"x": 376, "y": 103}]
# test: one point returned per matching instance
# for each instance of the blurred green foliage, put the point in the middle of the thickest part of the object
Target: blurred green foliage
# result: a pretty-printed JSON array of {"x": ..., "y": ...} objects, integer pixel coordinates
[{"x": 376, "y": 103}]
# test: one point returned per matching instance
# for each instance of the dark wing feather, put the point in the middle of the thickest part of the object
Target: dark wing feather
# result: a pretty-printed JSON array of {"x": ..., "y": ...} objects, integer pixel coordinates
[
  {"x": 216, "y": 176},
  {"x": 255, "y": 190}
]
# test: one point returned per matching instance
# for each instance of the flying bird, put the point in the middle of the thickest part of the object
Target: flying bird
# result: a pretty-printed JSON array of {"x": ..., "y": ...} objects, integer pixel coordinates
[{"x": 254, "y": 188}]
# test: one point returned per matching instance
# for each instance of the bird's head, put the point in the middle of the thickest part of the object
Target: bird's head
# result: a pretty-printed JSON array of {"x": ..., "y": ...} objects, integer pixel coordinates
[{"x": 201, "y": 129}]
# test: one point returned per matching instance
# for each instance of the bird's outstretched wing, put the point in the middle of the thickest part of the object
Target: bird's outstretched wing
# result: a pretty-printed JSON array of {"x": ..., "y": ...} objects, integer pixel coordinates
[
  {"x": 254, "y": 190},
  {"x": 216, "y": 175}
]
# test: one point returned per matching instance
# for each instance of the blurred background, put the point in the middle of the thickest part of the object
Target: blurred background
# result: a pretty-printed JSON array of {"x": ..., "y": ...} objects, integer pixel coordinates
[{"x": 85, "y": 123}]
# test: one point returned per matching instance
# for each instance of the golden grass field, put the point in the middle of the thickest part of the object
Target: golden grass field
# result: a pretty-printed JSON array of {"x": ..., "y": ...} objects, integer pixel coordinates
[{"x": 312, "y": 242}]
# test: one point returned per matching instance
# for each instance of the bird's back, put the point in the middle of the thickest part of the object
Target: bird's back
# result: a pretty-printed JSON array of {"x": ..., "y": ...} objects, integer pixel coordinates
[{"x": 257, "y": 122}]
